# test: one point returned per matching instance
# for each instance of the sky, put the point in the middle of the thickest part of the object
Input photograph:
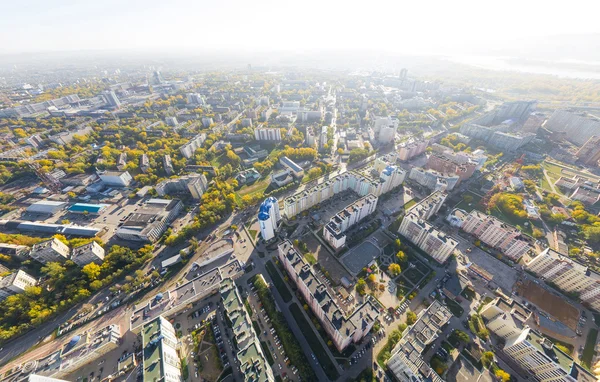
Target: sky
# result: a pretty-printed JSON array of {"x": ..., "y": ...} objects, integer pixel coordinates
[{"x": 410, "y": 27}]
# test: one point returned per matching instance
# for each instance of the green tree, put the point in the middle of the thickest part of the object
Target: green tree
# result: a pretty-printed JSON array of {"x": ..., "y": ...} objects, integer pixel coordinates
[
  {"x": 91, "y": 270},
  {"x": 537, "y": 233},
  {"x": 411, "y": 317},
  {"x": 361, "y": 286},
  {"x": 487, "y": 358},
  {"x": 401, "y": 257},
  {"x": 503, "y": 375},
  {"x": 394, "y": 269}
]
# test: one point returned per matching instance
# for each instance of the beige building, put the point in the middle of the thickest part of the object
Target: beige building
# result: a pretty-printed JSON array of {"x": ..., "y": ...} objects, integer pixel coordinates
[
  {"x": 15, "y": 283},
  {"x": 333, "y": 232},
  {"x": 91, "y": 252},
  {"x": 568, "y": 275},
  {"x": 435, "y": 243},
  {"x": 52, "y": 250}
]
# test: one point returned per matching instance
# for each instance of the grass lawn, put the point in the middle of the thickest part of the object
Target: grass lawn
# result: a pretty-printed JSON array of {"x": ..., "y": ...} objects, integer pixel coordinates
[
  {"x": 514, "y": 222},
  {"x": 588, "y": 350},
  {"x": 454, "y": 307},
  {"x": 265, "y": 350},
  {"x": 464, "y": 205},
  {"x": 424, "y": 269},
  {"x": 410, "y": 203},
  {"x": 278, "y": 281},
  {"x": 310, "y": 258},
  {"x": 413, "y": 275},
  {"x": 257, "y": 188},
  {"x": 253, "y": 233},
  {"x": 313, "y": 340}
]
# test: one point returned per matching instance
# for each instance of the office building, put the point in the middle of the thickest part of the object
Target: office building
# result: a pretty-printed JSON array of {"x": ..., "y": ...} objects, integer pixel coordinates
[
  {"x": 341, "y": 329},
  {"x": 296, "y": 170},
  {"x": 192, "y": 145},
  {"x": 159, "y": 343},
  {"x": 568, "y": 275},
  {"x": 253, "y": 364},
  {"x": 333, "y": 232},
  {"x": 410, "y": 149},
  {"x": 150, "y": 221},
  {"x": 589, "y": 153},
  {"x": 112, "y": 99},
  {"x": 267, "y": 134},
  {"x": 494, "y": 233},
  {"x": 52, "y": 250},
  {"x": 362, "y": 183},
  {"x": 406, "y": 362},
  {"x": 46, "y": 207},
  {"x": 91, "y": 252},
  {"x": 434, "y": 180},
  {"x": 15, "y": 283},
  {"x": 268, "y": 218},
  {"x": 115, "y": 178},
  {"x": 192, "y": 184}
]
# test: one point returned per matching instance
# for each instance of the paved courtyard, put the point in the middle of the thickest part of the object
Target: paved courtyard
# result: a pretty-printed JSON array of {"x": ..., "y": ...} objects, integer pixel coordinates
[{"x": 361, "y": 256}]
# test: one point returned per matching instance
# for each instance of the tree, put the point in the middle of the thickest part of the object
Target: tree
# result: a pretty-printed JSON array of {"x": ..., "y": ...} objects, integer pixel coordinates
[
  {"x": 487, "y": 358},
  {"x": 468, "y": 198},
  {"x": 592, "y": 234},
  {"x": 394, "y": 269},
  {"x": 503, "y": 375},
  {"x": 54, "y": 270},
  {"x": 537, "y": 233},
  {"x": 411, "y": 317},
  {"x": 398, "y": 243},
  {"x": 91, "y": 270},
  {"x": 401, "y": 257},
  {"x": 361, "y": 286},
  {"x": 372, "y": 278},
  {"x": 460, "y": 336}
]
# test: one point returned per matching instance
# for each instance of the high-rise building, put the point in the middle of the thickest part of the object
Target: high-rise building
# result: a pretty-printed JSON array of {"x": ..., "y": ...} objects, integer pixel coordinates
[
  {"x": 193, "y": 144},
  {"x": 52, "y": 250},
  {"x": 424, "y": 235},
  {"x": 589, "y": 153},
  {"x": 253, "y": 364},
  {"x": 341, "y": 329},
  {"x": 268, "y": 218},
  {"x": 195, "y": 99},
  {"x": 112, "y": 99},
  {"x": 568, "y": 275},
  {"x": 150, "y": 221},
  {"x": 333, "y": 231},
  {"x": 267, "y": 134},
  {"x": 406, "y": 362},
  {"x": 434, "y": 180},
  {"x": 15, "y": 283},
  {"x": 88, "y": 253},
  {"x": 444, "y": 163},
  {"x": 161, "y": 361},
  {"x": 410, "y": 149},
  {"x": 577, "y": 128},
  {"x": 168, "y": 166}
]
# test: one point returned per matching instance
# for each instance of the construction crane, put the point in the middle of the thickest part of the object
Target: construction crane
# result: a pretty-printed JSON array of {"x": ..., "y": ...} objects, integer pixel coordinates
[{"x": 49, "y": 181}]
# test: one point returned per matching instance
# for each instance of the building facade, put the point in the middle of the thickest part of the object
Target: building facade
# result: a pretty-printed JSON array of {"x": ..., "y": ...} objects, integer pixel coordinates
[
  {"x": 115, "y": 178},
  {"x": 192, "y": 184},
  {"x": 15, "y": 283},
  {"x": 333, "y": 232},
  {"x": 268, "y": 218},
  {"x": 91, "y": 252},
  {"x": 267, "y": 134},
  {"x": 52, "y": 250},
  {"x": 161, "y": 361}
]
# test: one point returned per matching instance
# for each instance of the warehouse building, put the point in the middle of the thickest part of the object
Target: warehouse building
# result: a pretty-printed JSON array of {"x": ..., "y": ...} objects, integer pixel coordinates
[
  {"x": 88, "y": 253},
  {"x": 151, "y": 220},
  {"x": 52, "y": 250},
  {"x": 84, "y": 208},
  {"x": 48, "y": 207}
]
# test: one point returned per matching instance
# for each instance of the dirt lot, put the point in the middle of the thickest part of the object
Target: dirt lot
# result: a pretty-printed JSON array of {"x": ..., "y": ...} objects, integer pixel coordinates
[
  {"x": 550, "y": 303},
  {"x": 326, "y": 259}
]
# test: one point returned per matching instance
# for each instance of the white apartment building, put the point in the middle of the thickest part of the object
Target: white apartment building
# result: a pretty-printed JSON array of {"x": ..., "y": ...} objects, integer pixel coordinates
[
  {"x": 91, "y": 252},
  {"x": 50, "y": 251},
  {"x": 406, "y": 361},
  {"x": 342, "y": 329},
  {"x": 15, "y": 283},
  {"x": 386, "y": 128},
  {"x": 144, "y": 163},
  {"x": 435, "y": 243},
  {"x": 333, "y": 231},
  {"x": 193, "y": 184},
  {"x": 193, "y": 144},
  {"x": 361, "y": 183},
  {"x": 252, "y": 361},
  {"x": 309, "y": 139},
  {"x": 568, "y": 275},
  {"x": 495, "y": 234},
  {"x": 267, "y": 134},
  {"x": 168, "y": 165},
  {"x": 161, "y": 361},
  {"x": 122, "y": 161},
  {"x": 434, "y": 180},
  {"x": 430, "y": 205},
  {"x": 268, "y": 218},
  {"x": 115, "y": 178}
]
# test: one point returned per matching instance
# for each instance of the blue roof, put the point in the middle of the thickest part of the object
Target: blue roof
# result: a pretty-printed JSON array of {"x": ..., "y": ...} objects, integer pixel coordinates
[
  {"x": 389, "y": 170},
  {"x": 81, "y": 207},
  {"x": 265, "y": 208}
]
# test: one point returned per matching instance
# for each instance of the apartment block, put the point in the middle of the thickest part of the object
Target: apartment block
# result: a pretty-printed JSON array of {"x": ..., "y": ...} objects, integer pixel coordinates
[
  {"x": 444, "y": 163},
  {"x": 362, "y": 183},
  {"x": 406, "y": 362},
  {"x": 589, "y": 153},
  {"x": 411, "y": 149},
  {"x": 192, "y": 184},
  {"x": 15, "y": 283},
  {"x": 434, "y": 180},
  {"x": 268, "y": 218},
  {"x": 430, "y": 205},
  {"x": 254, "y": 366},
  {"x": 122, "y": 161},
  {"x": 435, "y": 243},
  {"x": 88, "y": 253},
  {"x": 568, "y": 275},
  {"x": 342, "y": 329},
  {"x": 144, "y": 163},
  {"x": 267, "y": 134},
  {"x": 50, "y": 251},
  {"x": 161, "y": 361},
  {"x": 168, "y": 165},
  {"x": 188, "y": 149},
  {"x": 333, "y": 231},
  {"x": 495, "y": 233}
]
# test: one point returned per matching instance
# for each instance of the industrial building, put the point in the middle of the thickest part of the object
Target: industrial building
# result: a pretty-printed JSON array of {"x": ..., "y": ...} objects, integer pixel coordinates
[
  {"x": 333, "y": 232},
  {"x": 15, "y": 283},
  {"x": 251, "y": 359},
  {"x": 88, "y": 253},
  {"x": 50, "y": 229},
  {"x": 17, "y": 251},
  {"x": 268, "y": 218},
  {"x": 406, "y": 362},
  {"x": 48, "y": 207},
  {"x": 341, "y": 329},
  {"x": 150, "y": 221},
  {"x": 168, "y": 165},
  {"x": 52, "y": 250},
  {"x": 84, "y": 208},
  {"x": 115, "y": 178},
  {"x": 289, "y": 164},
  {"x": 589, "y": 153},
  {"x": 192, "y": 184}
]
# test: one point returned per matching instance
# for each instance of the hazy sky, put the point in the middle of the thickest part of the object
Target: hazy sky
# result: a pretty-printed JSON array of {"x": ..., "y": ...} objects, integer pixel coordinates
[{"x": 414, "y": 26}]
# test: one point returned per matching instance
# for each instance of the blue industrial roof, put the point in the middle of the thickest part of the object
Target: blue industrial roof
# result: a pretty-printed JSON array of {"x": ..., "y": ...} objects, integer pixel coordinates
[
  {"x": 265, "y": 208},
  {"x": 389, "y": 170},
  {"x": 81, "y": 207}
]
